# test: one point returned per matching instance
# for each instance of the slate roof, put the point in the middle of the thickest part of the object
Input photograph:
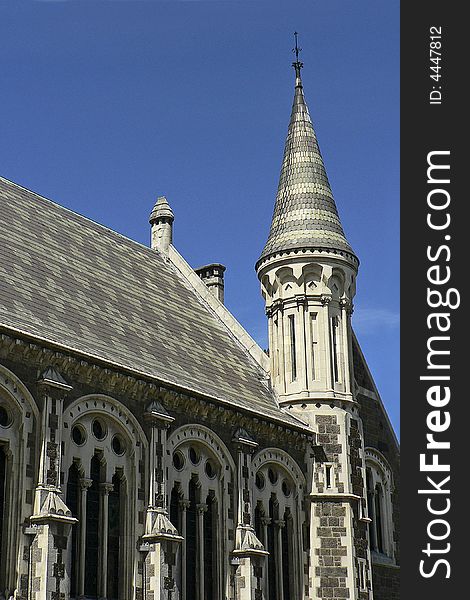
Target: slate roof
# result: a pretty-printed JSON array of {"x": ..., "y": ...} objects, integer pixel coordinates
[
  {"x": 78, "y": 285},
  {"x": 305, "y": 214}
]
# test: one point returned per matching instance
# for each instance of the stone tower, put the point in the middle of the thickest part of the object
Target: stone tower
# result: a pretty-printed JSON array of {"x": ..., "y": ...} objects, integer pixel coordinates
[{"x": 307, "y": 271}]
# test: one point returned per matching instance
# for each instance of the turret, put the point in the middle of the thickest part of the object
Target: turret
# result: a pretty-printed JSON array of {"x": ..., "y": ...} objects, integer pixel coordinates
[
  {"x": 307, "y": 271},
  {"x": 161, "y": 220}
]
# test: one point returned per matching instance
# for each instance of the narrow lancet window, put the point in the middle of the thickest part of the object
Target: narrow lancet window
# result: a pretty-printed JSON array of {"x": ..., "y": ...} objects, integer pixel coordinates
[
  {"x": 276, "y": 346},
  {"x": 259, "y": 526},
  {"x": 287, "y": 554},
  {"x": 92, "y": 530},
  {"x": 209, "y": 549},
  {"x": 114, "y": 529},
  {"x": 175, "y": 508},
  {"x": 328, "y": 476},
  {"x": 314, "y": 334},
  {"x": 272, "y": 567},
  {"x": 378, "y": 517},
  {"x": 3, "y": 481},
  {"x": 72, "y": 499},
  {"x": 191, "y": 543},
  {"x": 334, "y": 350},
  {"x": 293, "y": 355}
]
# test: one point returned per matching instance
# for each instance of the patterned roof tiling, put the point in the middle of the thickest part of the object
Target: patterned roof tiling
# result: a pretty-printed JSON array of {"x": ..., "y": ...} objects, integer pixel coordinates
[
  {"x": 305, "y": 214},
  {"x": 77, "y": 285}
]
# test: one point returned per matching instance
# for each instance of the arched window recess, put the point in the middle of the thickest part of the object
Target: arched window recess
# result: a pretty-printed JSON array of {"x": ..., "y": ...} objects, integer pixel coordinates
[
  {"x": 201, "y": 503},
  {"x": 279, "y": 518},
  {"x": 379, "y": 484},
  {"x": 103, "y": 447}
]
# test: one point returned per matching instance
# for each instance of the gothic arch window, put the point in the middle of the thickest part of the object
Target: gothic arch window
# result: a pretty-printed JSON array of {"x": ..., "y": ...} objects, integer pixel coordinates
[
  {"x": 210, "y": 550},
  {"x": 103, "y": 447},
  {"x": 272, "y": 549},
  {"x": 379, "y": 482},
  {"x": 278, "y": 521},
  {"x": 201, "y": 504},
  {"x": 72, "y": 500},
  {"x": 3, "y": 483},
  {"x": 191, "y": 542},
  {"x": 287, "y": 554},
  {"x": 18, "y": 451},
  {"x": 92, "y": 537},
  {"x": 114, "y": 537}
]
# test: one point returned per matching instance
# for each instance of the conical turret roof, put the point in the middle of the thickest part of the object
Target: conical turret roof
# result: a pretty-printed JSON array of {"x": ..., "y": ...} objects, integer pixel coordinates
[
  {"x": 305, "y": 215},
  {"x": 161, "y": 209}
]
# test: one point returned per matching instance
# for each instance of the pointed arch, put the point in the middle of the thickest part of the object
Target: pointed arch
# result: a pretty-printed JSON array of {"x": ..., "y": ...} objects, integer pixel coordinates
[
  {"x": 202, "y": 469},
  {"x": 380, "y": 486},
  {"x": 278, "y": 492},
  {"x": 106, "y": 442},
  {"x": 19, "y": 416}
]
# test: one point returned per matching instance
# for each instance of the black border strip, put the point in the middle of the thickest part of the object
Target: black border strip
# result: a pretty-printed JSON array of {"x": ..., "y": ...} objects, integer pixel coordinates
[{"x": 433, "y": 121}]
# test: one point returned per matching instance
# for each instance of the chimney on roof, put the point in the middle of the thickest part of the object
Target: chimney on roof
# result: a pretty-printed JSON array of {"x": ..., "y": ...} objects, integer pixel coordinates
[
  {"x": 161, "y": 220},
  {"x": 213, "y": 276}
]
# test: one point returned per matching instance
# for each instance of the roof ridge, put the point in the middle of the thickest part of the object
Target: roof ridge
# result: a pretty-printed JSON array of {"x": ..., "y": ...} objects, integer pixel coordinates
[{"x": 218, "y": 309}]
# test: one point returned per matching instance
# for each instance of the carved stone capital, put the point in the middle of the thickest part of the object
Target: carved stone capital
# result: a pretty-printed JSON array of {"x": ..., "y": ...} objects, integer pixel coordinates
[
  {"x": 325, "y": 300},
  {"x": 347, "y": 305},
  {"x": 184, "y": 504},
  {"x": 105, "y": 488},
  {"x": 85, "y": 483},
  {"x": 201, "y": 508}
]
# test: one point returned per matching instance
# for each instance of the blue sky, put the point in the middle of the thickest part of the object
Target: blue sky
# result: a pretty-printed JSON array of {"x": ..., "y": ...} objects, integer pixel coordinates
[{"x": 108, "y": 104}]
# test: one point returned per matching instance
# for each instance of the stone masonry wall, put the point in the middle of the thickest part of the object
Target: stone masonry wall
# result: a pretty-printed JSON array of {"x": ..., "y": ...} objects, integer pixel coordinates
[
  {"x": 331, "y": 531},
  {"x": 386, "y": 582}
]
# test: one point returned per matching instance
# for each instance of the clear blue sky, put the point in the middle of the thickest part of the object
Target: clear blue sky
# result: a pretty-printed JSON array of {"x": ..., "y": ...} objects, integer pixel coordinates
[{"x": 107, "y": 104}]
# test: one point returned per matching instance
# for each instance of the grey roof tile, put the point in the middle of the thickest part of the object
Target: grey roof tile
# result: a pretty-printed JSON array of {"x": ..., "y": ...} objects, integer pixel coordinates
[
  {"x": 305, "y": 214},
  {"x": 81, "y": 286}
]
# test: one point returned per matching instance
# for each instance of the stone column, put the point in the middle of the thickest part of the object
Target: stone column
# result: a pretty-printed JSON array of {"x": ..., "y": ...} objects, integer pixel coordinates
[
  {"x": 161, "y": 538},
  {"x": 302, "y": 342},
  {"x": 249, "y": 554},
  {"x": 280, "y": 524},
  {"x": 326, "y": 328},
  {"x": 51, "y": 520},
  {"x": 184, "y": 504},
  {"x": 281, "y": 345},
  {"x": 84, "y": 486},
  {"x": 201, "y": 509},
  {"x": 105, "y": 488},
  {"x": 373, "y": 523},
  {"x": 346, "y": 311}
]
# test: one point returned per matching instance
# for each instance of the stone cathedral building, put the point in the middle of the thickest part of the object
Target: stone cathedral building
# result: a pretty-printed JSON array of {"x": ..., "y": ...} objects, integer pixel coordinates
[{"x": 151, "y": 450}]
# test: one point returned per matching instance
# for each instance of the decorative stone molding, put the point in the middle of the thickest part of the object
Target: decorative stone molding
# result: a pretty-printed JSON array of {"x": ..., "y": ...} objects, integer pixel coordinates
[
  {"x": 372, "y": 455},
  {"x": 135, "y": 387},
  {"x": 203, "y": 435},
  {"x": 276, "y": 455},
  {"x": 162, "y": 529}
]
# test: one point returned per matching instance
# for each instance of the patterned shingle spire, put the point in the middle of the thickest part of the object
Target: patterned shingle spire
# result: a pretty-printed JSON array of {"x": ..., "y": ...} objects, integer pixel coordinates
[{"x": 305, "y": 214}]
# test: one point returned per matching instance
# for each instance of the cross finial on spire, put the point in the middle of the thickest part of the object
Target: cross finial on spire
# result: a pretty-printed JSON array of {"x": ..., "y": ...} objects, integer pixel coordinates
[
  {"x": 297, "y": 64},
  {"x": 296, "y": 49}
]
